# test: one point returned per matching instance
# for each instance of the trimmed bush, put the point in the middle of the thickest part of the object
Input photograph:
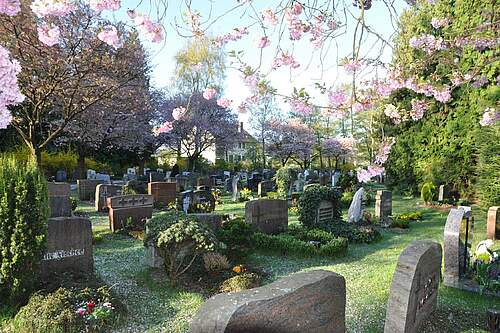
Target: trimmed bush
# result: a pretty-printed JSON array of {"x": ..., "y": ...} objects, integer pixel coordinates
[
  {"x": 240, "y": 282},
  {"x": 428, "y": 192},
  {"x": 400, "y": 223},
  {"x": 310, "y": 200},
  {"x": 286, "y": 244},
  {"x": 354, "y": 233},
  {"x": 24, "y": 212},
  {"x": 236, "y": 235},
  {"x": 159, "y": 223},
  {"x": 283, "y": 182},
  {"x": 181, "y": 243}
]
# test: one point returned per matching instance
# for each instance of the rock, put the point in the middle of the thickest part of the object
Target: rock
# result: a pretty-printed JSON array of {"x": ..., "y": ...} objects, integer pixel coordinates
[{"x": 312, "y": 302}]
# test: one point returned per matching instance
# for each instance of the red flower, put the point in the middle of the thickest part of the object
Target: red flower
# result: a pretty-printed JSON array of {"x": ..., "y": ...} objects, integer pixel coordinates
[{"x": 90, "y": 306}]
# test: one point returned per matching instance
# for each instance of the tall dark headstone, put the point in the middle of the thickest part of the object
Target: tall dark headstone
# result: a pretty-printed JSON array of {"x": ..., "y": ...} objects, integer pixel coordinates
[
  {"x": 86, "y": 188},
  {"x": 383, "y": 205},
  {"x": 269, "y": 216},
  {"x": 493, "y": 223},
  {"x": 133, "y": 209},
  {"x": 103, "y": 192},
  {"x": 59, "y": 199}
]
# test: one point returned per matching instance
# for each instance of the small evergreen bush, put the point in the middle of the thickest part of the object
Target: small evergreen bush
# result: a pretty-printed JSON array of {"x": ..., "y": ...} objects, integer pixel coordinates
[
  {"x": 428, "y": 192},
  {"x": 283, "y": 182},
  {"x": 310, "y": 200},
  {"x": 24, "y": 212},
  {"x": 236, "y": 235}
]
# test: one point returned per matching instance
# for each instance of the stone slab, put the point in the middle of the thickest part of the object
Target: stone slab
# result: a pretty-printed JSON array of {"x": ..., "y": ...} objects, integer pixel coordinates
[
  {"x": 59, "y": 199},
  {"x": 269, "y": 216}
]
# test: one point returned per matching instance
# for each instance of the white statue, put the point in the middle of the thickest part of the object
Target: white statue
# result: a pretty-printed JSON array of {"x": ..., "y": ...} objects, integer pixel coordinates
[
  {"x": 236, "y": 192},
  {"x": 185, "y": 203},
  {"x": 355, "y": 212}
]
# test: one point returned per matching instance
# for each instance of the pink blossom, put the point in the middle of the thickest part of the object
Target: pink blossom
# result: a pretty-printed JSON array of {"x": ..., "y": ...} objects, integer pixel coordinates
[
  {"x": 418, "y": 108},
  {"x": 81, "y": 311},
  {"x": 43, "y": 8},
  {"x": 9, "y": 88},
  {"x": 237, "y": 34},
  {"x": 263, "y": 42},
  {"x": 443, "y": 95},
  {"x": 301, "y": 107},
  {"x": 100, "y": 5},
  {"x": 337, "y": 98},
  {"x": 352, "y": 65},
  {"x": 269, "y": 17},
  {"x": 224, "y": 102},
  {"x": 10, "y": 7},
  {"x": 392, "y": 112},
  {"x": 152, "y": 31},
  {"x": 439, "y": 22},
  {"x": 296, "y": 8},
  {"x": 490, "y": 117},
  {"x": 109, "y": 35},
  {"x": 164, "y": 128},
  {"x": 427, "y": 43},
  {"x": 48, "y": 34},
  {"x": 209, "y": 93},
  {"x": 178, "y": 113},
  {"x": 285, "y": 59},
  {"x": 385, "y": 149}
]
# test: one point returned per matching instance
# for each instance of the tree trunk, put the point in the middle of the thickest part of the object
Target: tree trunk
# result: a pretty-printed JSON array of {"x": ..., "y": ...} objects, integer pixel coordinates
[
  {"x": 263, "y": 153},
  {"x": 141, "y": 166},
  {"x": 192, "y": 163},
  {"x": 81, "y": 170}
]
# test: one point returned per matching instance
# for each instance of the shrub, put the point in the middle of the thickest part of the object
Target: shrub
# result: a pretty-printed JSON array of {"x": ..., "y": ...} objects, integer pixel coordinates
[
  {"x": 24, "y": 212},
  {"x": 428, "y": 192},
  {"x": 159, "y": 223},
  {"x": 236, "y": 235},
  {"x": 215, "y": 262},
  {"x": 354, "y": 233},
  {"x": 400, "y": 223},
  {"x": 310, "y": 200},
  {"x": 240, "y": 282},
  {"x": 65, "y": 311},
  {"x": 346, "y": 199},
  {"x": 181, "y": 243},
  {"x": 74, "y": 203},
  {"x": 283, "y": 181},
  {"x": 488, "y": 168},
  {"x": 53, "y": 313},
  {"x": 287, "y": 244},
  {"x": 411, "y": 216},
  {"x": 245, "y": 195}
]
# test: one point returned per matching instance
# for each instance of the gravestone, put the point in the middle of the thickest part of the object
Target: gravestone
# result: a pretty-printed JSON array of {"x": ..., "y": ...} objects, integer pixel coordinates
[
  {"x": 91, "y": 174},
  {"x": 138, "y": 186},
  {"x": 383, "y": 205},
  {"x": 312, "y": 302},
  {"x": 335, "y": 178},
  {"x": 298, "y": 186},
  {"x": 493, "y": 223},
  {"x": 213, "y": 221},
  {"x": 234, "y": 188},
  {"x": 103, "y": 192},
  {"x": 455, "y": 249},
  {"x": 86, "y": 188},
  {"x": 155, "y": 177},
  {"x": 355, "y": 212},
  {"x": 269, "y": 216},
  {"x": 163, "y": 193},
  {"x": 264, "y": 187},
  {"x": 61, "y": 176},
  {"x": 205, "y": 198},
  {"x": 325, "y": 211},
  {"x": 204, "y": 181},
  {"x": 414, "y": 288},
  {"x": 105, "y": 178},
  {"x": 129, "y": 211},
  {"x": 444, "y": 193},
  {"x": 59, "y": 199},
  {"x": 69, "y": 247}
]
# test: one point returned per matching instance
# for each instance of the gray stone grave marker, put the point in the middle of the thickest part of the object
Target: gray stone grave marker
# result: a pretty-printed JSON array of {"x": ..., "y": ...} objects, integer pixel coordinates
[
  {"x": 383, "y": 205},
  {"x": 414, "y": 289},
  {"x": 269, "y": 216},
  {"x": 86, "y": 188},
  {"x": 59, "y": 199},
  {"x": 493, "y": 223},
  {"x": 103, "y": 192}
]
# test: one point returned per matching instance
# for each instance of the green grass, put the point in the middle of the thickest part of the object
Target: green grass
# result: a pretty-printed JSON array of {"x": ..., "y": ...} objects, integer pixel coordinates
[{"x": 368, "y": 268}]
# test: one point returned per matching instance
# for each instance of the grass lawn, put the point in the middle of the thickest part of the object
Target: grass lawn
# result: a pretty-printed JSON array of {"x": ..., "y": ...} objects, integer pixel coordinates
[{"x": 156, "y": 307}]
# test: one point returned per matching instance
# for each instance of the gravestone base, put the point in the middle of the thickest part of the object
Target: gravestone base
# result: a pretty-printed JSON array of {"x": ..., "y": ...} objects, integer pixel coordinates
[
  {"x": 153, "y": 259},
  {"x": 137, "y": 216}
]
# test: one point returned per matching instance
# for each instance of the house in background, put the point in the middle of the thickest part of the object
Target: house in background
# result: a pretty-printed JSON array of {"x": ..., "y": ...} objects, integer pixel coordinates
[{"x": 244, "y": 144}]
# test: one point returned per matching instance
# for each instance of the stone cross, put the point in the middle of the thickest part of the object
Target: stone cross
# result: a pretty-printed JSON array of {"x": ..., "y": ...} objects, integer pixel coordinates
[{"x": 414, "y": 288}]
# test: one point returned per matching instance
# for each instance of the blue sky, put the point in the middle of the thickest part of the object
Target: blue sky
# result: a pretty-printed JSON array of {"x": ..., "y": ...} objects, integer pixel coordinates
[{"x": 312, "y": 70}]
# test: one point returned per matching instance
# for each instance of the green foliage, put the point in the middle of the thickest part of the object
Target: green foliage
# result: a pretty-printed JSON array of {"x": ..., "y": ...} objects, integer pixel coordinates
[
  {"x": 288, "y": 244},
  {"x": 400, "y": 223},
  {"x": 428, "y": 192},
  {"x": 488, "y": 167},
  {"x": 74, "y": 203},
  {"x": 245, "y": 195},
  {"x": 310, "y": 200},
  {"x": 411, "y": 216},
  {"x": 346, "y": 199},
  {"x": 57, "y": 312},
  {"x": 160, "y": 222},
  {"x": 240, "y": 282},
  {"x": 428, "y": 150},
  {"x": 283, "y": 182},
  {"x": 181, "y": 243},
  {"x": 236, "y": 235},
  {"x": 24, "y": 213},
  {"x": 487, "y": 276},
  {"x": 354, "y": 233}
]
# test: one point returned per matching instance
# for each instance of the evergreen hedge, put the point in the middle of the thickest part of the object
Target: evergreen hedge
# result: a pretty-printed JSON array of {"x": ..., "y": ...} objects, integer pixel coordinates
[{"x": 24, "y": 212}]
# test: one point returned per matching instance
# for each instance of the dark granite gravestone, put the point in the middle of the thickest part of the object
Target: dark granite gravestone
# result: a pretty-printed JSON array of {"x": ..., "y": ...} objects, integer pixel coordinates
[
  {"x": 138, "y": 186},
  {"x": 129, "y": 211},
  {"x": 455, "y": 249},
  {"x": 269, "y": 216},
  {"x": 163, "y": 193},
  {"x": 155, "y": 177},
  {"x": 86, "y": 188},
  {"x": 103, "y": 192},
  {"x": 414, "y": 289},
  {"x": 204, "y": 181},
  {"x": 493, "y": 223},
  {"x": 61, "y": 176},
  {"x": 69, "y": 247},
  {"x": 264, "y": 187},
  {"x": 383, "y": 205},
  {"x": 213, "y": 221},
  {"x": 203, "y": 198},
  {"x": 309, "y": 302},
  {"x": 59, "y": 199}
]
